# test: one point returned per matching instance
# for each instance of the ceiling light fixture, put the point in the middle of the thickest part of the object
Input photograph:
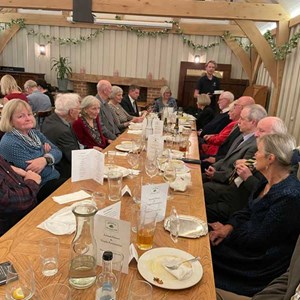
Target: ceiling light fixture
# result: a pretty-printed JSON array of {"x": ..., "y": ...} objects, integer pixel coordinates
[{"x": 128, "y": 23}]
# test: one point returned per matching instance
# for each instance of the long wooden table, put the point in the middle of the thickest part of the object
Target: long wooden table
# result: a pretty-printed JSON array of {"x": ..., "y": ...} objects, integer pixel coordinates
[{"x": 23, "y": 238}]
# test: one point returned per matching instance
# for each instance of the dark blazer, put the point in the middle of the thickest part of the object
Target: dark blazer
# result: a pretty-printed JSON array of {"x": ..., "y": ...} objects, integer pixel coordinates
[
  {"x": 64, "y": 138},
  {"x": 204, "y": 116},
  {"x": 216, "y": 124},
  {"x": 224, "y": 166},
  {"x": 126, "y": 104}
]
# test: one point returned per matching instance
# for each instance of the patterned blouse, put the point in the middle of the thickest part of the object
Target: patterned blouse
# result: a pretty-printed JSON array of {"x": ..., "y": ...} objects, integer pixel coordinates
[{"x": 122, "y": 115}]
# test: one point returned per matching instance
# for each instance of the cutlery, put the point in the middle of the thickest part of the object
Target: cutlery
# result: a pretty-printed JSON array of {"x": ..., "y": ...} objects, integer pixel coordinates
[{"x": 176, "y": 266}]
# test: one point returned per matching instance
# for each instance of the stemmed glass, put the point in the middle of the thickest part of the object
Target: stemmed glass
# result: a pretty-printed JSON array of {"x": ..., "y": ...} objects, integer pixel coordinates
[
  {"x": 169, "y": 176},
  {"x": 20, "y": 282},
  {"x": 133, "y": 158},
  {"x": 151, "y": 167},
  {"x": 161, "y": 161}
]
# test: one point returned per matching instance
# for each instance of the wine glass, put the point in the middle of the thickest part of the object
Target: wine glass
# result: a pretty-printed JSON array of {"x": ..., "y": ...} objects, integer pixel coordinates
[
  {"x": 161, "y": 161},
  {"x": 151, "y": 167},
  {"x": 169, "y": 176},
  {"x": 111, "y": 158},
  {"x": 140, "y": 290},
  {"x": 133, "y": 158},
  {"x": 20, "y": 282}
]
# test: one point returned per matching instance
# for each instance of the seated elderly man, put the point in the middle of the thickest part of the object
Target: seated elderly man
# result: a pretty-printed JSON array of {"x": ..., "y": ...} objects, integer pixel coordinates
[
  {"x": 231, "y": 197},
  {"x": 18, "y": 192},
  {"x": 243, "y": 147},
  {"x": 221, "y": 119},
  {"x": 58, "y": 129},
  {"x": 37, "y": 100}
]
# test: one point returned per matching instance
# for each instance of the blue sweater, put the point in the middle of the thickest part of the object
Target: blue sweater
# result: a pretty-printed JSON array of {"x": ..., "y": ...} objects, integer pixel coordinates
[
  {"x": 17, "y": 152},
  {"x": 261, "y": 244}
]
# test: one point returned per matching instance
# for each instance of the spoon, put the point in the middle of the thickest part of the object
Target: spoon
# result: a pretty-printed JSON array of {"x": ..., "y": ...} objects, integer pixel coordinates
[{"x": 175, "y": 267}]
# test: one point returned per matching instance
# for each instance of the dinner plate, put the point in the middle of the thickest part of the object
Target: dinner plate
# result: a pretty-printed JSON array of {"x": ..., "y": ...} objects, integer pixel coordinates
[
  {"x": 123, "y": 170},
  {"x": 179, "y": 165},
  {"x": 126, "y": 146},
  {"x": 174, "y": 153},
  {"x": 149, "y": 266},
  {"x": 136, "y": 126}
]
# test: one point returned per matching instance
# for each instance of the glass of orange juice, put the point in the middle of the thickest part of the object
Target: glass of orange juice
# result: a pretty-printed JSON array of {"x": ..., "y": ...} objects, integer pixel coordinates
[{"x": 146, "y": 224}]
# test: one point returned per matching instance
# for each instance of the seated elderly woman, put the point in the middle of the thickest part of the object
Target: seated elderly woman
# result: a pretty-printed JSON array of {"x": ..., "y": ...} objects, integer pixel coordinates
[
  {"x": 204, "y": 112},
  {"x": 10, "y": 89},
  {"x": 256, "y": 244},
  {"x": 87, "y": 127},
  {"x": 123, "y": 118},
  {"x": 165, "y": 100},
  {"x": 27, "y": 148}
]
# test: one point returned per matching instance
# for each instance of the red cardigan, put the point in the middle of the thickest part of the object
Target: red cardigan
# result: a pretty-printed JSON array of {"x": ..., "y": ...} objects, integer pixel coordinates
[
  {"x": 84, "y": 136},
  {"x": 212, "y": 145}
]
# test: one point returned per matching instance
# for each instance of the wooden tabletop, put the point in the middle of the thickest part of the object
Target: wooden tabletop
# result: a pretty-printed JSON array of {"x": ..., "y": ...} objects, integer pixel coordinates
[{"x": 23, "y": 239}]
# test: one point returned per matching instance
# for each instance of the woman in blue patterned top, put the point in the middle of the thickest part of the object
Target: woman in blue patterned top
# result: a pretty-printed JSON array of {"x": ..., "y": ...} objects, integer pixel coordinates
[
  {"x": 27, "y": 148},
  {"x": 256, "y": 244},
  {"x": 165, "y": 100}
]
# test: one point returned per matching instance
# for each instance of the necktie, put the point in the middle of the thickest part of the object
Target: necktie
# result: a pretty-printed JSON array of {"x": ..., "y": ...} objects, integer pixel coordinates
[{"x": 134, "y": 106}]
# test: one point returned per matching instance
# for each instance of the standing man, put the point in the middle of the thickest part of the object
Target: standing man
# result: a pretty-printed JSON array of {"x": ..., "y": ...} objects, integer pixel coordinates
[
  {"x": 109, "y": 127},
  {"x": 209, "y": 83},
  {"x": 129, "y": 101},
  {"x": 37, "y": 100},
  {"x": 58, "y": 129}
]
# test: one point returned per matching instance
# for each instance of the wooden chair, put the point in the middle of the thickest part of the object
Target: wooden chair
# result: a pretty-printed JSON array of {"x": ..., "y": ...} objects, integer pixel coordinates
[{"x": 41, "y": 116}]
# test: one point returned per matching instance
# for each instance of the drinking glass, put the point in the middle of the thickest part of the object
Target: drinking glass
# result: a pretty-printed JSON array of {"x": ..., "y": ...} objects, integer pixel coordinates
[
  {"x": 114, "y": 185},
  {"x": 169, "y": 176},
  {"x": 140, "y": 290},
  {"x": 110, "y": 158},
  {"x": 20, "y": 282},
  {"x": 133, "y": 158},
  {"x": 151, "y": 167},
  {"x": 161, "y": 161},
  {"x": 49, "y": 253},
  {"x": 55, "y": 291},
  {"x": 99, "y": 199}
]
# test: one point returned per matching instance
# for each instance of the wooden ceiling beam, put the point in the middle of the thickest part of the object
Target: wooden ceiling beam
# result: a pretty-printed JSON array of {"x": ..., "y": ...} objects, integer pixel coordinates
[
  {"x": 168, "y": 8},
  {"x": 7, "y": 35}
]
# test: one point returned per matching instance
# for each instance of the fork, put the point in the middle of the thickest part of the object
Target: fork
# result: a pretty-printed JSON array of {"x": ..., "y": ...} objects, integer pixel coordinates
[{"x": 175, "y": 267}]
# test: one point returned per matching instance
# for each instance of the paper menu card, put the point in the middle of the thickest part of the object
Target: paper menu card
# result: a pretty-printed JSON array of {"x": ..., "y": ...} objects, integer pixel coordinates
[
  {"x": 87, "y": 164},
  {"x": 112, "y": 235},
  {"x": 154, "y": 197},
  {"x": 157, "y": 126},
  {"x": 155, "y": 145}
]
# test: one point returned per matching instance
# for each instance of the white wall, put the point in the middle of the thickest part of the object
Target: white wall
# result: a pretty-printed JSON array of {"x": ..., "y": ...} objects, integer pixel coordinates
[
  {"x": 115, "y": 50},
  {"x": 289, "y": 101}
]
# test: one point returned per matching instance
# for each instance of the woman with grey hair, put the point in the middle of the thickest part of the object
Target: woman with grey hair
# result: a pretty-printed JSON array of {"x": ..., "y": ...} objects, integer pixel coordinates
[
  {"x": 88, "y": 127},
  {"x": 256, "y": 243},
  {"x": 122, "y": 118},
  {"x": 165, "y": 100}
]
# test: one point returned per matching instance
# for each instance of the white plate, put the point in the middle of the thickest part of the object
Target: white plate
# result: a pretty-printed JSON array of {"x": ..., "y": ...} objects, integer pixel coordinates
[
  {"x": 123, "y": 170},
  {"x": 149, "y": 266},
  {"x": 136, "y": 126},
  {"x": 174, "y": 153},
  {"x": 181, "y": 168},
  {"x": 126, "y": 146}
]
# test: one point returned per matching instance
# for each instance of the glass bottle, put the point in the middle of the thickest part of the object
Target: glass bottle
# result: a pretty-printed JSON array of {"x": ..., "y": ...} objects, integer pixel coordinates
[
  {"x": 107, "y": 281},
  {"x": 82, "y": 273}
]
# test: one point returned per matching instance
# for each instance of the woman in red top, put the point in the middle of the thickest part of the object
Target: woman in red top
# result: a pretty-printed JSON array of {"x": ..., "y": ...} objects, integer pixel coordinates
[
  {"x": 10, "y": 89},
  {"x": 87, "y": 127}
]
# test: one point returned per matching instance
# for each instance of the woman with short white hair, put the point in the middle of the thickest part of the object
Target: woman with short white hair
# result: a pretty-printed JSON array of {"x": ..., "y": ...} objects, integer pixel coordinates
[{"x": 165, "y": 100}]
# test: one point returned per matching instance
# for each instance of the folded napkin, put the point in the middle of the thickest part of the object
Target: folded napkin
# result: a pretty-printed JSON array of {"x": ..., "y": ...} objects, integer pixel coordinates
[
  {"x": 181, "y": 182},
  {"x": 63, "y": 221},
  {"x": 80, "y": 195},
  {"x": 134, "y": 131},
  {"x": 183, "y": 272},
  {"x": 119, "y": 153}
]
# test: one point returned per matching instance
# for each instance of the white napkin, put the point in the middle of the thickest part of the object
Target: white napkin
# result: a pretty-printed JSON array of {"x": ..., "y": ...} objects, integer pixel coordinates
[
  {"x": 63, "y": 221},
  {"x": 183, "y": 272},
  {"x": 181, "y": 182},
  {"x": 80, "y": 195},
  {"x": 119, "y": 153},
  {"x": 133, "y": 131}
]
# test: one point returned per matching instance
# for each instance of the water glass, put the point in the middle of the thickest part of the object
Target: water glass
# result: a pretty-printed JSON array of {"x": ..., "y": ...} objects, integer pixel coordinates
[
  {"x": 140, "y": 290},
  {"x": 114, "y": 185},
  {"x": 117, "y": 265},
  {"x": 99, "y": 199},
  {"x": 135, "y": 210},
  {"x": 20, "y": 283},
  {"x": 49, "y": 253},
  {"x": 133, "y": 158},
  {"x": 151, "y": 167},
  {"x": 55, "y": 291},
  {"x": 110, "y": 158}
]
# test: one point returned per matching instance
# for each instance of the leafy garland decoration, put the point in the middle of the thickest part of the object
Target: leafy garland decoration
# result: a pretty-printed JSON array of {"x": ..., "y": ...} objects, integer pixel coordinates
[{"x": 279, "y": 53}]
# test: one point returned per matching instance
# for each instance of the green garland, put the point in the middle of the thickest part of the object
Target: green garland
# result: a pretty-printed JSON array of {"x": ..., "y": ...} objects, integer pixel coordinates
[{"x": 279, "y": 53}]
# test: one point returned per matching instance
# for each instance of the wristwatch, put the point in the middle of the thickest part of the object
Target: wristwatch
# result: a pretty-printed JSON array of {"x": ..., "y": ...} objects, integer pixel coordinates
[{"x": 48, "y": 160}]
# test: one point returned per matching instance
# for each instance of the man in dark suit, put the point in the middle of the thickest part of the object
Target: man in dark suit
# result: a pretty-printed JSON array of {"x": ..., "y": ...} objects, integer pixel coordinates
[
  {"x": 129, "y": 101},
  {"x": 282, "y": 288},
  {"x": 57, "y": 128},
  {"x": 217, "y": 175},
  {"x": 109, "y": 127}
]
